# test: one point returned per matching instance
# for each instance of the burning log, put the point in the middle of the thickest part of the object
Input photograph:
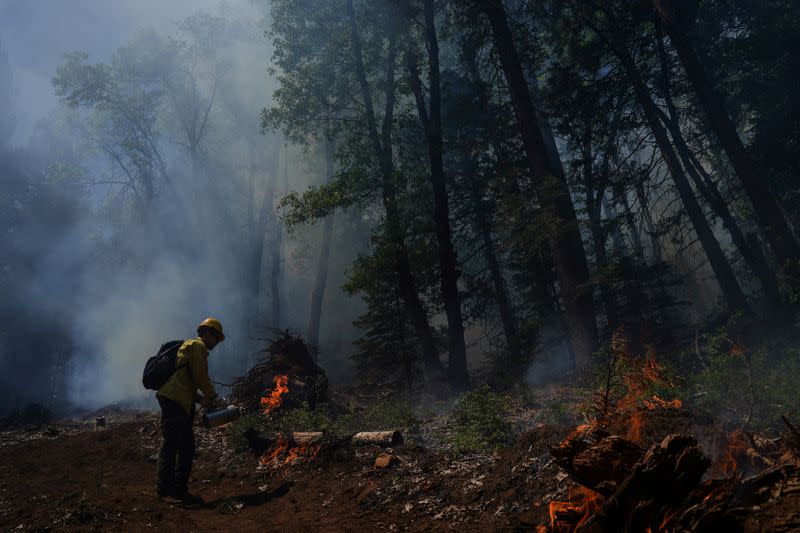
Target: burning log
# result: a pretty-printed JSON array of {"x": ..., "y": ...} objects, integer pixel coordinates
[
  {"x": 664, "y": 477},
  {"x": 596, "y": 460},
  {"x": 379, "y": 438}
]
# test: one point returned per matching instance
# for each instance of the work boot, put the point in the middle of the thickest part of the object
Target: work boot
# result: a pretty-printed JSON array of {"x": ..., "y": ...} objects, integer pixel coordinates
[{"x": 188, "y": 499}]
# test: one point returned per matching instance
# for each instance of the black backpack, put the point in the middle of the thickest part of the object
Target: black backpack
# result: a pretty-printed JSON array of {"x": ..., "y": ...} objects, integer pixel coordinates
[{"x": 161, "y": 366}]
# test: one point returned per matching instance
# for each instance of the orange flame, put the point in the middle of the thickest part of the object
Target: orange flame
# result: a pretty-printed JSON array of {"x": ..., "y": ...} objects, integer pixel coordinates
[
  {"x": 306, "y": 451},
  {"x": 637, "y": 402},
  {"x": 569, "y": 515},
  {"x": 275, "y": 399},
  {"x": 280, "y": 447},
  {"x": 732, "y": 454},
  {"x": 270, "y": 402},
  {"x": 635, "y": 430}
]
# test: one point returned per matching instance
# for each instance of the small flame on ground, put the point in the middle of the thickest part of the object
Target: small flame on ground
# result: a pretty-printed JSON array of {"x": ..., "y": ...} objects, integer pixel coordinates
[
  {"x": 637, "y": 402},
  {"x": 271, "y": 401},
  {"x": 282, "y": 453},
  {"x": 275, "y": 398},
  {"x": 582, "y": 503},
  {"x": 733, "y": 454}
]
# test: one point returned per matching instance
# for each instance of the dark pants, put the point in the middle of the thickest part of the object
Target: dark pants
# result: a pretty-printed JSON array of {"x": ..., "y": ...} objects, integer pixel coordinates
[{"x": 177, "y": 448}]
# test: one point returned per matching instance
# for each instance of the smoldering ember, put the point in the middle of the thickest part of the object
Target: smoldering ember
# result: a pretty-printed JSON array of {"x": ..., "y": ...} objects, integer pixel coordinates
[{"x": 370, "y": 265}]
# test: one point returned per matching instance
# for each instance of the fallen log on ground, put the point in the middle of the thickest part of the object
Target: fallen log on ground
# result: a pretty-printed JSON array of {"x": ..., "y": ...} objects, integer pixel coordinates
[
  {"x": 379, "y": 438},
  {"x": 305, "y": 437},
  {"x": 260, "y": 444}
]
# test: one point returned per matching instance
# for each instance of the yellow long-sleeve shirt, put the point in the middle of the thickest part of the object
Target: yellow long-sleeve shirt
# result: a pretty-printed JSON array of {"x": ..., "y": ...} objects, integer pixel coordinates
[{"x": 191, "y": 374}]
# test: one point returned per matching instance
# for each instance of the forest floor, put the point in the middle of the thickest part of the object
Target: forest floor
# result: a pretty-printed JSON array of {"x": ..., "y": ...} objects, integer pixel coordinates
[{"x": 73, "y": 476}]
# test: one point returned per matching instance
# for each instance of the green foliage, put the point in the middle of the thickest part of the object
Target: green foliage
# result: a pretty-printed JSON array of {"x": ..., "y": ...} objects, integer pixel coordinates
[
  {"x": 237, "y": 430},
  {"x": 557, "y": 411},
  {"x": 379, "y": 415},
  {"x": 316, "y": 202},
  {"x": 480, "y": 421},
  {"x": 753, "y": 387}
]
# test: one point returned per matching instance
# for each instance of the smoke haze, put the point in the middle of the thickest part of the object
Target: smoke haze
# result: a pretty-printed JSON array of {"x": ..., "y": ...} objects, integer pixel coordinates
[{"x": 102, "y": 281}]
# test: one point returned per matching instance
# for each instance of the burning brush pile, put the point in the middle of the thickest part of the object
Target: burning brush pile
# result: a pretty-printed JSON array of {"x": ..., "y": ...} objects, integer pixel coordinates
[
  {"x": 288, "y": 374},
  {"x": 287, "y": 378},
  {"x": 636, "y": 468}
]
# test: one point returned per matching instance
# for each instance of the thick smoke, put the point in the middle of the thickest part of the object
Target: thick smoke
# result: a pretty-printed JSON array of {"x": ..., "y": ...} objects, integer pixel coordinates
[{"x": 99, "y": 283}]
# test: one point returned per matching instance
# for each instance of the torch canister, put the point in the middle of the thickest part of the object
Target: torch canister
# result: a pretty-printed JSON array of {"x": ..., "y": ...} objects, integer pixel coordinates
[{"x": 222, "y": 416}]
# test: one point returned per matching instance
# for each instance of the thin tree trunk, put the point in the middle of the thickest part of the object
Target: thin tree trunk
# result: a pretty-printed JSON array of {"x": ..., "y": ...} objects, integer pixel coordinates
[
  {"x": 768, "y": 213},
  {"x": 709, "y": 191},
  {"x": 485, "y": 227},
  {"x": 712, "y": 196},
  {"x": 551, "y": 187},
  {"x": 641, "y": 195},
  {"x": 599, "y": 235},
  {"x": 276, "y": 249},
  {"x": 611, "y": 215},
  {"x": 383, "y": 149},
  {"x": 431, "y": 120},
  {"x": 258, "y": 234},
  {"x": 318, "y": 293},
  {"x": 731, "y": 290}
]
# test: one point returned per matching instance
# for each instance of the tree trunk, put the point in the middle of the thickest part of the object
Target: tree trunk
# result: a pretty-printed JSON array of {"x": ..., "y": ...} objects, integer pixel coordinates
[
  {"x": 616, "y": 235},
  {"x": 431, "y": 120},
  {"x": 767, "y": 211},
  {"x": 485, "y": 227},
  {"x": 551, "y": 187},
  {"x": 731, "y": 290},
  {"x": 708, "y": 189},
  {"x": 712, "y": 196},
  {"x": 383, "y": 149},
  {"x": 276, "y": 245},
  {"x": 599, "y": 235},
  {"x": 258, "y": 233},
  {"x": 641, "y": 195},
  {"x": 322, "y": 266}
]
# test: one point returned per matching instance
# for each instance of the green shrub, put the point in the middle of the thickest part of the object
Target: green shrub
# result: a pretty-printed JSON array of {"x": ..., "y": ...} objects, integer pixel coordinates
[
  {"x": 480, "y": 421},
  {"x": 754, "y": 389},
  {"x": 379, "y": 415},
  {"x": 236, "y": 438}
]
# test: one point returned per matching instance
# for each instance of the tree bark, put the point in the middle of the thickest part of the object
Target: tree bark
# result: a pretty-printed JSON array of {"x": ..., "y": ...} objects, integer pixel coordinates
[
  {"x": 767, "y": 211},
  {"x": 485, "y": 227},
  {"x": 276, "y": 245},
  {"x": 708, "y": 189},
  {"x": 431, "y": 120},
  {"x": 382, "y": 147},
  {"x": 551, "y": 187},
  {"x": 714, "y": 199},
  {"x": 731, "y": 290},
  {"x": 318, "y": 293},
  {"x": 260, "y": 223}
]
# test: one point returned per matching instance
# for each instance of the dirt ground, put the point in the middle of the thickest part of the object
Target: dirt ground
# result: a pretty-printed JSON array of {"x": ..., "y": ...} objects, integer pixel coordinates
[
  {"x": 77, "y": 477},
  {"x": 103, "y": 480}
]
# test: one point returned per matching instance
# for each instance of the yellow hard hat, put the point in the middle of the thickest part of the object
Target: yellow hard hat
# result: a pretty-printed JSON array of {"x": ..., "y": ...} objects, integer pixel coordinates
[{"x": 214, "y": 324}]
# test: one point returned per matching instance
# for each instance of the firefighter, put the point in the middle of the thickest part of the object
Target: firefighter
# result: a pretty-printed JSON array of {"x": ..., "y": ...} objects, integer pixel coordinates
[{"x": 177, "y": 398}]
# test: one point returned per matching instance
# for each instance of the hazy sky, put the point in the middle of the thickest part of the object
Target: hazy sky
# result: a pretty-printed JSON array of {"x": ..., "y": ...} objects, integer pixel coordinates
[{"x": 37, "y": 33}]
